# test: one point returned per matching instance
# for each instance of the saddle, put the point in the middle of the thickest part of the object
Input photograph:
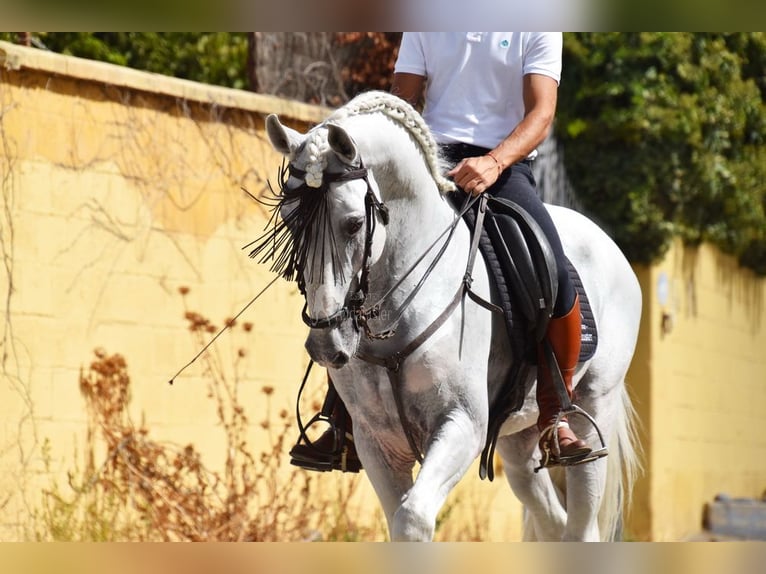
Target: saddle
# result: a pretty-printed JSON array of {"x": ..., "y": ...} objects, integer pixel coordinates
[{"x": 522, "y": 268}]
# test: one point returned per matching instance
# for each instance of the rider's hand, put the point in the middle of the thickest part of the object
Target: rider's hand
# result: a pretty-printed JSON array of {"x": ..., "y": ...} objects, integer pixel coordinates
[{"x": 475, "y": 175}]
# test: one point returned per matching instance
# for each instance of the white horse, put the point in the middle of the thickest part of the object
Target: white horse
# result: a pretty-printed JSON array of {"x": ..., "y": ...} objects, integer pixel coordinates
[{"x": 449, "y": 358}]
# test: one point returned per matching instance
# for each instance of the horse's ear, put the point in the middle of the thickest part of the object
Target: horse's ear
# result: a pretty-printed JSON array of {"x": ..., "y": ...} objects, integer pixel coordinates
[
  {"x": 283, "y": 139},
  {"x": 341, "y": 143}
]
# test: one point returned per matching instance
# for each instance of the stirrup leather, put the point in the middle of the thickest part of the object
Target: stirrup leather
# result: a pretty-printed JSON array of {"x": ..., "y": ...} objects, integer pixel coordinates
[{"x": 551, "y": 451}]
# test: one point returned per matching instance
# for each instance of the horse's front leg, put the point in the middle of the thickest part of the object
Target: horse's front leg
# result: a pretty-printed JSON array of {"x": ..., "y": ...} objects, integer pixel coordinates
[
  {"x": 455, "y": 444},
  {"x": 388, "y": 463}
]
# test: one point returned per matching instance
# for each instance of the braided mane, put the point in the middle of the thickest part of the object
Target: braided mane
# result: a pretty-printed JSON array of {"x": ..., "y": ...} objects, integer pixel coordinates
[{"x": 406, "y": 116}]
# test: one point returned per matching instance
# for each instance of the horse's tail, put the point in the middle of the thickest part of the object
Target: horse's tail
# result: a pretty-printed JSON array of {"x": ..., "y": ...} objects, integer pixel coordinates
[{"x": 623, "y": 467}]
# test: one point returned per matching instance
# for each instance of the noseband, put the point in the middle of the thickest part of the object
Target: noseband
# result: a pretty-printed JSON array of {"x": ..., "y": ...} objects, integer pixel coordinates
[{"x": 354, "y": 308}]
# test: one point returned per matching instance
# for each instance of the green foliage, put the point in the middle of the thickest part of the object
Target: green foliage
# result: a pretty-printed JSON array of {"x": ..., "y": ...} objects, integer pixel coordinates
[
  {"x": 213, "y": 57},
  {"x": 664, "y": 137}
]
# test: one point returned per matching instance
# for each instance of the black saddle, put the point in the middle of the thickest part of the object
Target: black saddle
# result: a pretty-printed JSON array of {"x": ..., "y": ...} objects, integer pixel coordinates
[{"x": 522, "y": 267}]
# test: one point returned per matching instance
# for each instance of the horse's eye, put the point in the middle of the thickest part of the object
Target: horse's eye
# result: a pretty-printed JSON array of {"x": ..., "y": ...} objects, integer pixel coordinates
[{"x": 354, "y": 225}]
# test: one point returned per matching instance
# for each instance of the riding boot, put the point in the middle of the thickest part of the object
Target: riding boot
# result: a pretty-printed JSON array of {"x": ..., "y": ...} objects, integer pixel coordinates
[
  {"x": 564, "y": 337},
  {"x": 334, "y": 449}
]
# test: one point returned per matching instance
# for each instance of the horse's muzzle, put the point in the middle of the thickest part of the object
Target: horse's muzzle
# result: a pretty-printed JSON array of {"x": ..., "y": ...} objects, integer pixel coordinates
[{"x": 333, "y": 348}]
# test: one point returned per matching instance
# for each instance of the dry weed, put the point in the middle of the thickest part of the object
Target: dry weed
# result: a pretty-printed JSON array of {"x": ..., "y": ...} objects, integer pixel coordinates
[{"x": 146, "y": 490}]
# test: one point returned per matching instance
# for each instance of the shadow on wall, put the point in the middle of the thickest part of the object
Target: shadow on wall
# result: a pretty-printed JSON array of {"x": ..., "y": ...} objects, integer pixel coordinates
[{"x": 739, "y": 287}]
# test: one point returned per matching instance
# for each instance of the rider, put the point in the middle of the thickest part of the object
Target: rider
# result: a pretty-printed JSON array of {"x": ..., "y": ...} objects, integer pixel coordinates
[{"x": 490, "y": 100}]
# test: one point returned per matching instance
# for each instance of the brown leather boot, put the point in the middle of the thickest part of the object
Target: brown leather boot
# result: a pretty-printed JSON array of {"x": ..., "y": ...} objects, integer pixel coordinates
[
  {"x": 334, "y": 449},
  {"x": 564, "y": 337}
]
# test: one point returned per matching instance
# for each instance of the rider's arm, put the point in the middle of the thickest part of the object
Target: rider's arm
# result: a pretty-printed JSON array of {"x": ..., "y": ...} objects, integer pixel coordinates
[
  {"x": 409, "y": 87},
  {"x": 477, "y": 174},
  {"x": 540, "y": 95}
]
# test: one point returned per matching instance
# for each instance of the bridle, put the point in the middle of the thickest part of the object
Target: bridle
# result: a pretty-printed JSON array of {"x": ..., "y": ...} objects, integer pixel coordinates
[{"x": 354, "y": 308}]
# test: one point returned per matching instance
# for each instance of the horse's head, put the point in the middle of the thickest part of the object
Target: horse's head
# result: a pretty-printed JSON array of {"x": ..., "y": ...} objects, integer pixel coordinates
[{"x": 330, "y": 208}]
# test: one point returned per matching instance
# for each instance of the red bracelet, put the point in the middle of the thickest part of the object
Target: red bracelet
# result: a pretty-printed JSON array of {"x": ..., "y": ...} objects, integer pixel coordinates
[{"x": 499, "y": 167}]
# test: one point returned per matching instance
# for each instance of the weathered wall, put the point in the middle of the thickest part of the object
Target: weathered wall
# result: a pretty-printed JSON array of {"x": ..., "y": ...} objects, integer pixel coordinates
[
  {"x": 119, "y": 188},
  {"x": 699, "y": 380}
]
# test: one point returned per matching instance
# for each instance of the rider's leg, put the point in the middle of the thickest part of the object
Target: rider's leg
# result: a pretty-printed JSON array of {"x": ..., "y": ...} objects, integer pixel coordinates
[
  {"x": 564, "y": 337},
  {"x": 334, "y": 450},
  {"x": 564, "y": 329}
]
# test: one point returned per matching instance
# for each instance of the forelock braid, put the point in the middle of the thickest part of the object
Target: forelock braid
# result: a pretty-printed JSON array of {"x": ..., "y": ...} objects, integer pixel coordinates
[{"x": 316, "y": 146}]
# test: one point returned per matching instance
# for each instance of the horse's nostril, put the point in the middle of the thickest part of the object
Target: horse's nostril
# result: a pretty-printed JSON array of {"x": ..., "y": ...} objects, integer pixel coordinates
[{"x": 340, "y": 359}]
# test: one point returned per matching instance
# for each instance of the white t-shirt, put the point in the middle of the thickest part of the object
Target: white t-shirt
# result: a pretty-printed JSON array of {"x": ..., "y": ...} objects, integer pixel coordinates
[{"x": 474, "y": 80}]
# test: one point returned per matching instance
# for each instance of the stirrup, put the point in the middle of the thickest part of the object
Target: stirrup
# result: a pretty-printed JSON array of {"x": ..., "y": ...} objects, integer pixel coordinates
[
  {"x": 321, "y": 461},
  {"x": 307, "y": 454},
  {"x": 551, "y": 456}
]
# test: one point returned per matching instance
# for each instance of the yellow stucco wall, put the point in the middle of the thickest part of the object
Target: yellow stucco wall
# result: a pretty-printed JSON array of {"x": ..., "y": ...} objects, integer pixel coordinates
[
  {"x": 119, "y": 187},
  {"x": 699, "y": 381}
]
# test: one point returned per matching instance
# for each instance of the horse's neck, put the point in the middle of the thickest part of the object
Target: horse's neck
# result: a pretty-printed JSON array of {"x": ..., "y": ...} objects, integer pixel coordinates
[
  {"x": 418, "y": 211},
  {"x": 405, "y": 179},
  {"x": 387, "y": 109},
  {"x": 400, "y": 164}
]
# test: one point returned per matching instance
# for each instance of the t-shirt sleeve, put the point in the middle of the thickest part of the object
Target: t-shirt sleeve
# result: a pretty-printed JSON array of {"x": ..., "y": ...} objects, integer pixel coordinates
[
  {"x": 411, "y": 58},
  {"x": 542, "y": 54}
]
